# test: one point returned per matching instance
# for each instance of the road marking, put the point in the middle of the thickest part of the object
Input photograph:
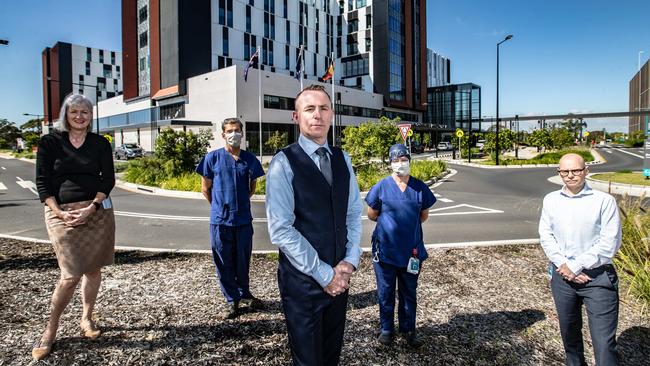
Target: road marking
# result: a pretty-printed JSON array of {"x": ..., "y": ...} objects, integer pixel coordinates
[
  {"x": 447, "y": 200},
  {"x": 161, "y": 217},
  {"x": 608, "y": 151},
  {"x": 481, "y": 210},
  {"x": 629, "y": 153},
  {"x": 3, "y": 168},
  {"x": 27, "y": 184},
  {"x": 2, "y": 187}
]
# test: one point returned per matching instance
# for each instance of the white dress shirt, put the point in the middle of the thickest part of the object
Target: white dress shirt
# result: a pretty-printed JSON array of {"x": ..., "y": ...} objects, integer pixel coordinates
[
  {"x": 280, "y": 205},
  {"x": 582, "y": 230}
]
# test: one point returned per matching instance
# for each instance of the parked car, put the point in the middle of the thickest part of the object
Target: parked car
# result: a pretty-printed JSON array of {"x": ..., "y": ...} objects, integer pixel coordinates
[
  {"x": 480, "y": 144},
  {"x": 416, "y": 147},
  {"x": 128, "y": 151},
  {"x": 444, "y": 145}
]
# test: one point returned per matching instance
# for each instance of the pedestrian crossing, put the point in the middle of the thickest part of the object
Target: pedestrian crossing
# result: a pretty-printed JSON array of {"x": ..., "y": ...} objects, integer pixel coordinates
[{"x": 25, "y": 184}]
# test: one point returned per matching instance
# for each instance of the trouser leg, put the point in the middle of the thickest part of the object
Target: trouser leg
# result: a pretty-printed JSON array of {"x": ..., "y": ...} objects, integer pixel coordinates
[
  {"x": 407, "y": 296},
  {"x": 333, "y": 329},
  {"x": 386, "y": 276},
  {"x": 601, "y": 302},
  {"x": 223, "y": 244},
  {"x": 244, "y": 235},
  {"x": 569, "y": 312}
]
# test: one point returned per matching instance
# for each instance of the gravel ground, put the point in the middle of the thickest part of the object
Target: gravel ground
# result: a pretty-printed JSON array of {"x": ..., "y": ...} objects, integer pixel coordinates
[{"x": 481, "y": 306}]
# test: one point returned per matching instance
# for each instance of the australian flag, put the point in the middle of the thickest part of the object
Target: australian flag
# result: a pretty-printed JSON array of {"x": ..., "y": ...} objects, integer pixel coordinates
[{"x": 252, "y": 62}]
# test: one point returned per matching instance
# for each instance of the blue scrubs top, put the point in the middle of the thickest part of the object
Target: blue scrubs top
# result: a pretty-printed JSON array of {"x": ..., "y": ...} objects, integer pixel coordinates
[
  {"x": 231, "y": 178},
  {"x": 398, "y": 228}
]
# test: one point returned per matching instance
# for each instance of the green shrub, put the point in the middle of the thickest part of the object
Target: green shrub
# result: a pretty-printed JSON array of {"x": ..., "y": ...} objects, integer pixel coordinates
[
  {"x": 633, "y": 259},
  {"x": 368, "y": 175},
  {"x": 548, "y": 158},
  {"x": 427, "y": 169},
  {"x": 261, "y": 186},
  {"x": 185, "y": 182},
  {"x": 148, "y": 171}
]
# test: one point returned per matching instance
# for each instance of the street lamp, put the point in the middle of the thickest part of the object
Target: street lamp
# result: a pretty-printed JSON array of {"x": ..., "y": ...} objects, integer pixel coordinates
[
  {"x": 639, "y": 106},
  {"x": 508, "y": 37}
]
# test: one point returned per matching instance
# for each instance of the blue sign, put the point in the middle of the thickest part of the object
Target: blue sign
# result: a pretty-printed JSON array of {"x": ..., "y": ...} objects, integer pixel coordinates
[{"x": 646, "y": 172}]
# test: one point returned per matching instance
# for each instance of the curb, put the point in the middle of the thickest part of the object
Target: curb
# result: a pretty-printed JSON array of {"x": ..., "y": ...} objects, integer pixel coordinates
[
  {"x": 598, "y": 159},
  {"x": 474, "y": 244}
]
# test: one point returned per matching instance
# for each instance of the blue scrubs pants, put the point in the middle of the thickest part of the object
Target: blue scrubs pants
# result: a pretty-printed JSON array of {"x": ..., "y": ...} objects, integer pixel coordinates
[
  {"x": 387, "y": 276},
  {"x": 231, "y": 250}
]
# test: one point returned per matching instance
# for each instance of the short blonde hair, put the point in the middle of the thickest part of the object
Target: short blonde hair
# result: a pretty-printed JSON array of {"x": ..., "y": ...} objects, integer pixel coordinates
[{"x": 73, "y": 100}]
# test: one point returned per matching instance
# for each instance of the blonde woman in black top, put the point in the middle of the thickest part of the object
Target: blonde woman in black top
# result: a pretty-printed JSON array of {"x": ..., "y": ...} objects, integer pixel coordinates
[{"x": 74, "y": 176}]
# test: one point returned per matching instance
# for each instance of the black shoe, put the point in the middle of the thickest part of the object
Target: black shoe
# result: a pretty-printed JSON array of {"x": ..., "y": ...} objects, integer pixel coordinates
[
  {"x": 412, "y": 339},
  {"x": 230, "y": 311},
  {"x": 253, "y": 303},
  {"x": 385, "y": 338}
]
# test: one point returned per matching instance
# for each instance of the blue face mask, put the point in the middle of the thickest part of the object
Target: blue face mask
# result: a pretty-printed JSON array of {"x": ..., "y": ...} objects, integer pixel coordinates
[{"x": 233, "y": 138}]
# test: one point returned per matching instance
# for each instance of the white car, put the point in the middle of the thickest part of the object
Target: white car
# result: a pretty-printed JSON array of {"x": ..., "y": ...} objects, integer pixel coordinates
[
  {"x": 480, "y": 144},
  {"x": 444, "y": 145}
]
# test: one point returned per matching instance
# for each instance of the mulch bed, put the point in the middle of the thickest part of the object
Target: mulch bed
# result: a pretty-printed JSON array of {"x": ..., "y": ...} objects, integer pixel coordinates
[{"x": 479, "y": 306}]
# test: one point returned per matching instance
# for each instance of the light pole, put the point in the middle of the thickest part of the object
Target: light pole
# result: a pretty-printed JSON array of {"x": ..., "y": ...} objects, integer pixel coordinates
[
  {"x": 508, "y": 37},
  {"x": 639, "y": 106}
]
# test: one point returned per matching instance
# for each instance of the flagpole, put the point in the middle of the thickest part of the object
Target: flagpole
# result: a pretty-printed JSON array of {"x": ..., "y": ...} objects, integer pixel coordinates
[
  {"x": 259, "y": 95},
  {"x": 302, "y": 65},
  {"x": 333, "y": 102}
]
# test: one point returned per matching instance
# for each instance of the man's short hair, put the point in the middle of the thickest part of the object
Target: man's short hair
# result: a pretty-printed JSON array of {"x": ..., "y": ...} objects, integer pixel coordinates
[
  {"x": 230, "y": 121},
  {"x": 313, "y": 87}
]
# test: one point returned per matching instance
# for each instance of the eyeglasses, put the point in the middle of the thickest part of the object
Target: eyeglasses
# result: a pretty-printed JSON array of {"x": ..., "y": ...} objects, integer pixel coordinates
[{"x": 565, "y": 173}]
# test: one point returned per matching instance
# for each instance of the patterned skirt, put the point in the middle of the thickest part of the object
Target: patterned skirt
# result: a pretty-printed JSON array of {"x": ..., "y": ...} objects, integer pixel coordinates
[{"x": 82, "y": 249}]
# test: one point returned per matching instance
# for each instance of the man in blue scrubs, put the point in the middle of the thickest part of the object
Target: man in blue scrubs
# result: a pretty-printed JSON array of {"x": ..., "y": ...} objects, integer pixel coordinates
[
  {"x": 399, "y": 204},
  {"x": 228, "y": 179}
]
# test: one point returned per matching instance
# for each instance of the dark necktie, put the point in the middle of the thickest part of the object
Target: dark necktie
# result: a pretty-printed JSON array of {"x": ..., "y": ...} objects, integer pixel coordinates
[{"x": 324, "y": 163}]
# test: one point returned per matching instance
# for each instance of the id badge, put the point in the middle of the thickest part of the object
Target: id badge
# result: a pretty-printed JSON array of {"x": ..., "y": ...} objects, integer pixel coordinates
[
  {"x": 414, "y": 266},
  {"x": 549, "y": 272},
  {"x": 106, "y": 203}
]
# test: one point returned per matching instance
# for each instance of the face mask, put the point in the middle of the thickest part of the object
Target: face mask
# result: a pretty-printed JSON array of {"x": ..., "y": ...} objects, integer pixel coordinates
[
  {"x": 401, "y": 168},
  {"x": 233, "y": 138}
]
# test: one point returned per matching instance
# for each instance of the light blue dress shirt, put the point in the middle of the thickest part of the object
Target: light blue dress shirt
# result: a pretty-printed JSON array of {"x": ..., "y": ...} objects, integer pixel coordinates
[
  {"x": 280, "y": 213},
  {"x": 582, "y": 230}
]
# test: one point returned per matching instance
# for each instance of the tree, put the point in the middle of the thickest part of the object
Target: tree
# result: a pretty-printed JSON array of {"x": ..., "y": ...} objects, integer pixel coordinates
[
  {"x": 277, "y": 141},
  {"x": 181, "y": 150},
  {"x": 370, "y": 140},
  {"x": 561, "y": 137},
  {"x": 8, "y": 133},
  {"x": 506, "y": 140},
  {"x": 426, "y": 139},
  {"x": 33, "y": 125},
  {"x": 541, "y": 138}
]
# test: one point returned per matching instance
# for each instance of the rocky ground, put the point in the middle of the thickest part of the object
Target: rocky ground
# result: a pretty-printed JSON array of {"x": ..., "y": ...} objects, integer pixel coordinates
[{"x": 482, "y": 306}]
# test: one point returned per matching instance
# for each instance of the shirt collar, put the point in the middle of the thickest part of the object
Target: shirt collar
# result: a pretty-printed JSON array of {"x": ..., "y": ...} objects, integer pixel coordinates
[
  {"x": 585, "y": 191},
  {"x": 310, "y": 146}
]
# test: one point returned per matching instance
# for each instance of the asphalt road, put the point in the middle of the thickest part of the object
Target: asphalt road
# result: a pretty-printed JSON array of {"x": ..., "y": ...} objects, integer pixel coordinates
[{"x": 474, "y": 205}]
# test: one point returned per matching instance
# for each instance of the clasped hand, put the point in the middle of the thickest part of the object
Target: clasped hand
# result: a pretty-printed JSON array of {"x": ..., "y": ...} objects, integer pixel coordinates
[
  {"x": 568, "y": 275},
  {"x": 78, "y": 217},
  {"x": 341, "y": 281}
]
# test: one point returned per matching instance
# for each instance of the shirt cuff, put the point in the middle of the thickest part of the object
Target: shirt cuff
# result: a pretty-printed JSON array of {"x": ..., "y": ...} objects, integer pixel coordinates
[
  {"x": 323, "y": 274},
  {"x": 574, "y": 266},
  {"x": 353, "y": 260}
]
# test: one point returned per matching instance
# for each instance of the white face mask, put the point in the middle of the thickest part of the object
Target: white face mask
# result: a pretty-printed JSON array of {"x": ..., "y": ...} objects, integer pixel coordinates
[
  {"x": 233, "y": 138},
  {"x": 401, "y": 168}
]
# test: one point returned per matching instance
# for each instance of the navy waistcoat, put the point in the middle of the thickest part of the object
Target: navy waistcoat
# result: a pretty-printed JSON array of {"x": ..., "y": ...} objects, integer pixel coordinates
[{"x": 320, "y": 209}]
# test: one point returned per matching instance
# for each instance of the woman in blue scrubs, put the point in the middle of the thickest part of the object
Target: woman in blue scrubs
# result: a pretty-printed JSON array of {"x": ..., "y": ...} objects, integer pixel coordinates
[{"x": 399, "y": 204}]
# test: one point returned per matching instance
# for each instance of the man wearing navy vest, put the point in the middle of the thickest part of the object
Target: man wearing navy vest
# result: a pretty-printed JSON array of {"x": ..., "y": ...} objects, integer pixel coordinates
[{"x": 313, "y": 208}]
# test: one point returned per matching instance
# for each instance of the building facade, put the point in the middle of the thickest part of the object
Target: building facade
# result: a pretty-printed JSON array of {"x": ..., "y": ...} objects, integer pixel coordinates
[
  {"x": 452, "y": 107},
  {"x": 639, "y": 98},
  {"x": 69, "y": 68},
  {"x": 438, "y": 69}
]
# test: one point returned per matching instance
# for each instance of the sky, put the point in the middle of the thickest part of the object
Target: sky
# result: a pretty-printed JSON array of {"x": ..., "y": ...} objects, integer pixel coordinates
[{"x": 565, "y": 55}]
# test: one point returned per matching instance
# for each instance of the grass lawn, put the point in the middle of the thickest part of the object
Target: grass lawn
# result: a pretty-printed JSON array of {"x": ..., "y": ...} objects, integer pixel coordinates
[{"x": 624, "y": 177}]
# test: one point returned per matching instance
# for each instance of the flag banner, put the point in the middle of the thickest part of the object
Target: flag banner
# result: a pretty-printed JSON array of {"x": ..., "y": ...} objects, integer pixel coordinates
[
  {"x": 330, "y": 72},
  {"x": 252, "y": 62},
  {"x": 299, "y": 65}
]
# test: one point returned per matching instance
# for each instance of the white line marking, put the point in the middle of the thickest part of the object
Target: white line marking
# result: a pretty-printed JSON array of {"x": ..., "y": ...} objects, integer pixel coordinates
[
  {"x": 453, "y": 172},
  {"x": 629, "y": 153},
  {"x": 481, "y": 210},
  {"x": 2, "y": 187},
  {"x": 3, "y": 168},
  {"x": 27, "y": 184},
  {"x": 608, "y": 151},
  {"x": 447, "y": 200}
]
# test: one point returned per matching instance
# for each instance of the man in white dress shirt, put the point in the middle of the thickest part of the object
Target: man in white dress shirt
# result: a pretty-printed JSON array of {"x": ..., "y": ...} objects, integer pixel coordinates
[{"x": 580, "y": 232}]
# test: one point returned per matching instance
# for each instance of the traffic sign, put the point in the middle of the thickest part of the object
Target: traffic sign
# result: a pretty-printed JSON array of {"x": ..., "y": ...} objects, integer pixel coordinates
[
  {"x": 646, "y": 172},
  {"x": 404, "y": 130},
  {"x": 410, "y": 133},
  {"x": 586, "y": 133},
  {"x": 108, "y": 137},
  {"x": 459, "y": 133}
]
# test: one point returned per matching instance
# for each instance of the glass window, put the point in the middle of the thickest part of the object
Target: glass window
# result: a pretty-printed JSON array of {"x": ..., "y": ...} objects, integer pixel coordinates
[
  {"x": 222, "y": 12},
  {"x": 142, "y": 14},
  {"x": 248, "y": 18},
  {"x": 143, "y": 39},
  {"x": 89, "y": 54},
  {"x": 225, "y": 41},
  {"x": 101, "y": 56}
]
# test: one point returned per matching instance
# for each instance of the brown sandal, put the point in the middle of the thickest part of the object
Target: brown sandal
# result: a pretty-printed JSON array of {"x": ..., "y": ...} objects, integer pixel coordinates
[
  {"x": 89, "y": 329},
  {"x": 42, "y": 348}
]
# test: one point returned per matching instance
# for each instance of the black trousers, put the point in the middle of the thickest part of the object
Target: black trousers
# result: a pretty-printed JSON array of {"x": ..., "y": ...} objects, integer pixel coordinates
[
  {"x": 315, "y": 320},
  {"x": 600, "y": 297}
]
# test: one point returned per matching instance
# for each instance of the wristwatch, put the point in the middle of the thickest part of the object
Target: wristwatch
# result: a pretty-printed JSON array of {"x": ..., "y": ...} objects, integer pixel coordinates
[{"x": 97, "y": 205}]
